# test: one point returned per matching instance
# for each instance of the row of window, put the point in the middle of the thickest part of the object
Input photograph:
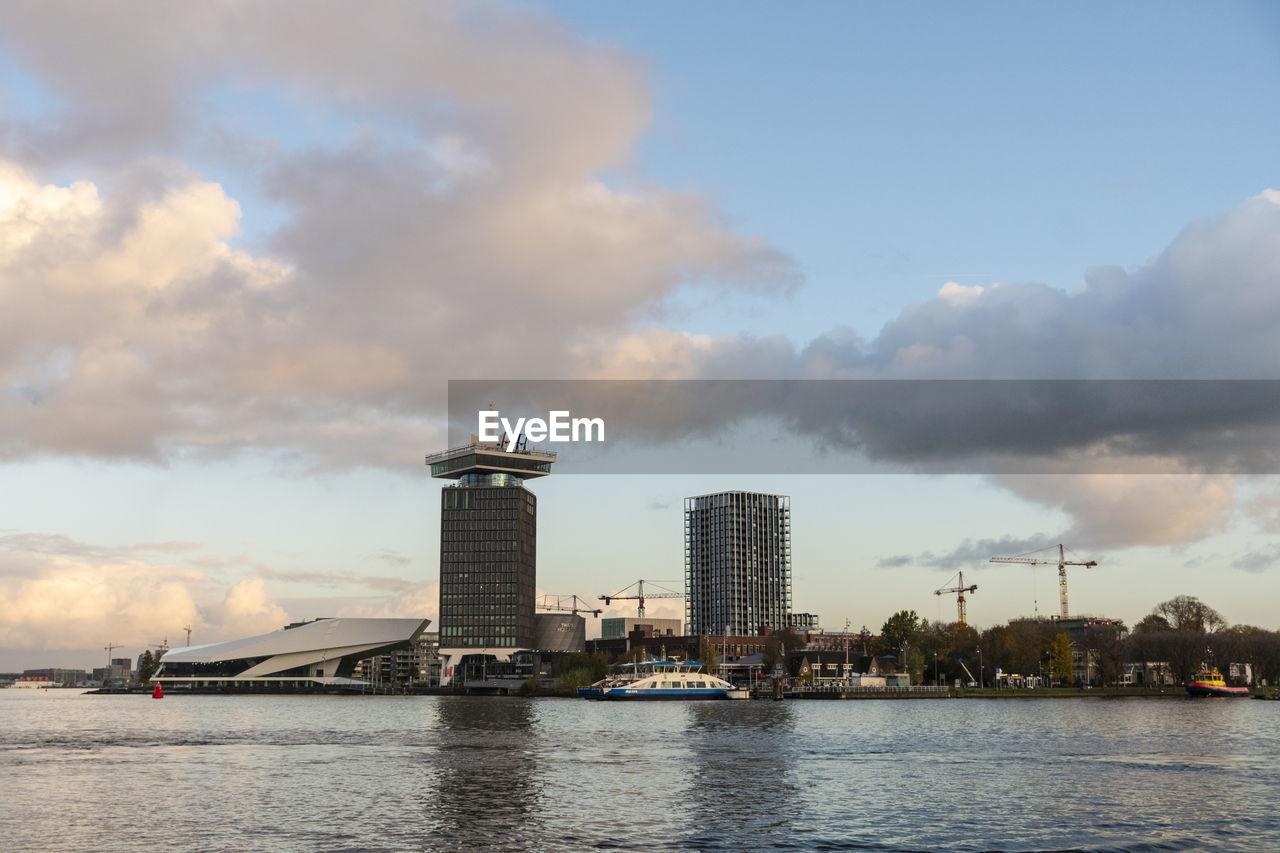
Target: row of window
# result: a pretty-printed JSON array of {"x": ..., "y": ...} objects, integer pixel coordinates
[
  {"x": 468, "y": 521},
  {"x": 487, "y": 642},
  {"x": 477, "y": 545},
  {"x": 491, "y": 576},
  {"x": 473, "y": 574},
  {"x": 482, "y": 501},
  {"x": 473, "y": 597}
]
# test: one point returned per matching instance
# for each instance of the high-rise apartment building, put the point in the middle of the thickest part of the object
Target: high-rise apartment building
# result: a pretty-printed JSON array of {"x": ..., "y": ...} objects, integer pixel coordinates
[
  {"x": 488, "y": 546},
  {"x": 737, "y": 563}
]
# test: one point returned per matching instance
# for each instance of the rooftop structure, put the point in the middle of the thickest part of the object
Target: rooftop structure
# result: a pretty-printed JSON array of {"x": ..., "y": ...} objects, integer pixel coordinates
[
  {"x": 485, "y": 458},
  {"x": 618, "y": 627}
]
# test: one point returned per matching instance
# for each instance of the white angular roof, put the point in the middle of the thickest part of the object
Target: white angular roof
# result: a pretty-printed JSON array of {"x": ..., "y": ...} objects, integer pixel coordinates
[{"x": 327, "y": 638}]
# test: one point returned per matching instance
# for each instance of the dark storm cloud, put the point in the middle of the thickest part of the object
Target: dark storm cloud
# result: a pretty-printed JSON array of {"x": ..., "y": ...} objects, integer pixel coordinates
[{"x": 991, "y": 426}]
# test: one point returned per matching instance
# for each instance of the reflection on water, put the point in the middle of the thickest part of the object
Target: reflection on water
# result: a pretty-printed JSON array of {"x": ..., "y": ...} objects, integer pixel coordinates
[
  {"x": 483, "y": 779},
  {"x": 744, "y": 779},
  {"x": 299, "y": 773}
]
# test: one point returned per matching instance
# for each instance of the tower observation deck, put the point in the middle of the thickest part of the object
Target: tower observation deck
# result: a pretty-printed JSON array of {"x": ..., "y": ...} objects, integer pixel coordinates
[
  {"x": 482, "y": 459},
  {"x": 488, "y": 546}
]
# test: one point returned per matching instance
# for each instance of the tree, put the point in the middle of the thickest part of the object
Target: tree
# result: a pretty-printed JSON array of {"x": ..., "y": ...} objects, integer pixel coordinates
[
  {"x": 1105, "y": 644},
  {"x": 580, "y": 670},
  {"x": 147, "y": 666},
  {"x": 776, "y": 647},
  {"x": 1188, "y": 613},
  {"x": 1152, "y": 623},
  {"x": 1060, "y": 662},
  {"x": 902, "y": 628}
]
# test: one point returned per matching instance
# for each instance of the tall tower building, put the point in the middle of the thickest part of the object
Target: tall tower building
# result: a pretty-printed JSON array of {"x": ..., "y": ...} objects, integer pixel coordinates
[
  {"x": 737, "y": 562},
  {"x": 488, "y": 546}
]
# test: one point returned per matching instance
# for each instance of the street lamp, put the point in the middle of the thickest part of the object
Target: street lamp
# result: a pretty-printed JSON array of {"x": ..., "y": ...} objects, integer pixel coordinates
[
  {"x": 981, "y": 676},
  {"x": 937, "y": 680}
]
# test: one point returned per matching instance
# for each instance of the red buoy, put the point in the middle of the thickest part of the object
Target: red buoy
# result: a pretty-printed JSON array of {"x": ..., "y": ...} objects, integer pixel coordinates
[{"x": 158, "y": 693}]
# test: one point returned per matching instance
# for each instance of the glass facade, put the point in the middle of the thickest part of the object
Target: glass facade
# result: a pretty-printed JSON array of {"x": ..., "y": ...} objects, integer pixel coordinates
[
  {"x": 488, "y": 559},
  {"x": 737, "y": 555}
]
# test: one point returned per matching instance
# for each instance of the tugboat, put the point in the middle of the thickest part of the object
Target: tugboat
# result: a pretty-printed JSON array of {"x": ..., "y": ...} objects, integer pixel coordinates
[{"x": 1208, "y": 682}]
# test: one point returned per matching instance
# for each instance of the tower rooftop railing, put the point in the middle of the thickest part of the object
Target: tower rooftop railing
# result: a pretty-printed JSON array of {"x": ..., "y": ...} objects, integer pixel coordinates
[{"x": 488, "y": 448}]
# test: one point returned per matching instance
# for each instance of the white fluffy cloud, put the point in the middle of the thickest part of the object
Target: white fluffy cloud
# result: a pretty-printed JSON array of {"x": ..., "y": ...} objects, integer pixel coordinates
[
  {"x": 443, "y": 222},
  {"x": 56, "y": 593},
  {"x": 1205, "y": 307},
  {"x": 1120, "y": 511}
]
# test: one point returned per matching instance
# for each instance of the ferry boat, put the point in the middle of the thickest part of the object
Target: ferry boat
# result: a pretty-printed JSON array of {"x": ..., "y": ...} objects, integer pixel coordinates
[
  {"x": 1208, "y": 682},
  {"x": 661, "y": 679},
  {"x": 39, "y": 682}
]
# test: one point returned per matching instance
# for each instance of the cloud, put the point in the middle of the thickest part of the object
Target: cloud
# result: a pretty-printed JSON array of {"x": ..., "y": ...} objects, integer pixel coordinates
[
  {"x": 1113, "y": 511},
  {"x": 1163, "y": 319},
  {"x": 1262, "y": 560},
  {"x": 246, "y": 610},
  {"x": 419, "y": 600},
  {"x": 57, "y": 593},
  {"x": 332, "y": 579},
  {"x": 150, "y": 76},
  {"x": 969, "y": 554},
  {"x": 428, "y": 209},
  {"x": 55, "y": 602}
]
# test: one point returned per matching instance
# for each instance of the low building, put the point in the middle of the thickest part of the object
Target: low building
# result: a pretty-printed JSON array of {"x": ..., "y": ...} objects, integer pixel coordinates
[
  {"x": 803, "y": 621},
  {"x": 416, "y": 665},
  {"x": 559, "y": 632},
  {"x": 119, "y": 672},
  {"x": 618, "y": 627},
  {"x": 726, "y": 649},
  {"x": 310, "y": 656},
  {"x": 59, "y": 675}
]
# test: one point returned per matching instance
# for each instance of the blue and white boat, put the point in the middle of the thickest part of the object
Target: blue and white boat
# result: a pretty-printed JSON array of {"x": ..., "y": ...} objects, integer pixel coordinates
[{"x": 661, "y": 679}]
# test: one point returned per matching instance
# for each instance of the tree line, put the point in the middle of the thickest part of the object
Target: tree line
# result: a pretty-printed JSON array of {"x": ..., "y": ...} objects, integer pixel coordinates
[{"x": 1171, "y": 642}]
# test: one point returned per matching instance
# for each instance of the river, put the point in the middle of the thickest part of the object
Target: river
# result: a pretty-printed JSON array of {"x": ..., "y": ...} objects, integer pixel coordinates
[{"x": 337, "y": 773}]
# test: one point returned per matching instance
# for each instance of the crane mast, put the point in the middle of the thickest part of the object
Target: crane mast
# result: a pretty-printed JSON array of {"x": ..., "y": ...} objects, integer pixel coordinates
[
  {"x": 959, "y": 590},
  {"x": 1062, "y": 563}
]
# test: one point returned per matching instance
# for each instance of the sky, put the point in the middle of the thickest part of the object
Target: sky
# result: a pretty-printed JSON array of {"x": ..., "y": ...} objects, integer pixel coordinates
[{"x": 244, "y": 248}]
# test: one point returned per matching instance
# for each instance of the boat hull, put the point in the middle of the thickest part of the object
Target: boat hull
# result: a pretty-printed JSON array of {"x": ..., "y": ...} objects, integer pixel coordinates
[
  {"x": 1198, "y": 689},
  {"x": 621, "y": 694}
]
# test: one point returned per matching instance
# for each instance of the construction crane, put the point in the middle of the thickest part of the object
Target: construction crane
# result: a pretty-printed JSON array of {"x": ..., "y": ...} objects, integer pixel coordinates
[
  {"x": 959, "y": 591},
  {"x": 110, "y": 648},
  {"x": 572, "y": 606},
  {"x": 187, "y": 628},
  {"x": 1062, "y": 563},
  {"x": 640, "y": 595}
]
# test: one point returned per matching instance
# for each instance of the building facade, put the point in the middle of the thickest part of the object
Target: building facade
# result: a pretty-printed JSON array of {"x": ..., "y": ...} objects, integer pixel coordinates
[
  {"x": 488, "y": 546},
  {"x": 416, "y": 665},
  {"x": 305, "y": 656},
  {"x": 737, "y": 563},
  {"x": 618, "y": 627}
]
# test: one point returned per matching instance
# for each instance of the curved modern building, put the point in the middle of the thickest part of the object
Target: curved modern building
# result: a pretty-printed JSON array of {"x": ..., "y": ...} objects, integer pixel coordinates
[{"x": 308, "y": 656}]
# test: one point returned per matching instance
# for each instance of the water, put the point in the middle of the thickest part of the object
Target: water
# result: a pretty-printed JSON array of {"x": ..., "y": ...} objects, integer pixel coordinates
[{"x": 214, "y": 773}]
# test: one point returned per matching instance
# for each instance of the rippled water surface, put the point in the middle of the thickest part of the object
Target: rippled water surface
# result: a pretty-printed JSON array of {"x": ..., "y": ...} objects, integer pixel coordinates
[{"x": 81, "y": 772}]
